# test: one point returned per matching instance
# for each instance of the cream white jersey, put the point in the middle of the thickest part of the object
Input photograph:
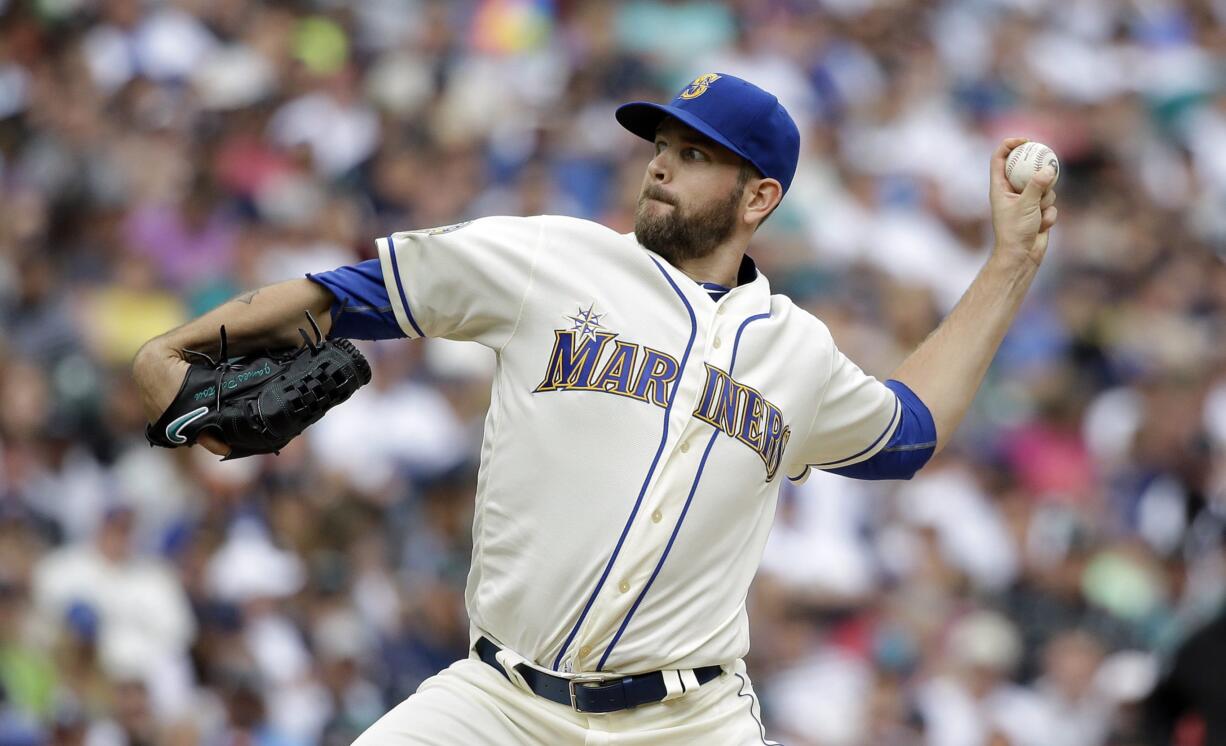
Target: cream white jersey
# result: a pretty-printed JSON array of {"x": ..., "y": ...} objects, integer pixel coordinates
[{"x": 637, "y": 435}]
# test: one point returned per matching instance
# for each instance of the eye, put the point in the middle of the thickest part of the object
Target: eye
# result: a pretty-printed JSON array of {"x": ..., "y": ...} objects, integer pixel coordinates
[
  {"x": 660, "y": 145},
  {"x": 693, "y": 154}
]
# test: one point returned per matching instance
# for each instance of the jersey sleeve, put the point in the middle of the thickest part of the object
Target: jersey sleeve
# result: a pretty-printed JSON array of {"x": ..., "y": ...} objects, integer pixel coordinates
[
  {"x": 855, "y": 419},
  {"x": 361, "y": 308},
  {"x": 464, "y": 282},
  {"x": 909, "y": 448}
]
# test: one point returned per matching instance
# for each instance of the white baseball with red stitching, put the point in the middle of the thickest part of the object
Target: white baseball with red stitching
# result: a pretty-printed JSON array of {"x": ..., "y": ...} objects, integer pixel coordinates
[{"x": 1028, "y": 159}]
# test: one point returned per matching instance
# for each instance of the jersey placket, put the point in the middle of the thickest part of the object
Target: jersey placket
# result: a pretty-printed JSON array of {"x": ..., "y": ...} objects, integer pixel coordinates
[{"x": 677, "y": 476}]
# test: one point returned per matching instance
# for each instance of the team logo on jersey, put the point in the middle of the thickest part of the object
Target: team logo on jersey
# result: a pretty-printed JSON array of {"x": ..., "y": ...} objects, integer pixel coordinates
[
  {"x": 587, "y": 323},
  {"x": 742, "y": 412},
  {"x": 699, "y": 86},
  {"x": 589, "y": 357}
]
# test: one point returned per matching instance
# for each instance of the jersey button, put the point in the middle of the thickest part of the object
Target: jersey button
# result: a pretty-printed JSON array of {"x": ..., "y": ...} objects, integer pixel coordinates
[
  {"x": 685, "y": 446},
  {"x": 721, "y": 310},
  {"x": 585, "y": 651},
  {"x": 717, "y": 343},
  {"x": 623, "y": 586},
  {"x": 657, "y": 516}
]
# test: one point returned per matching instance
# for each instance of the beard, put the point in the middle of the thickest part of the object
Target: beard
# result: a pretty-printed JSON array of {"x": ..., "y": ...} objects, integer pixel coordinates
[{"x": 680, "y": 235}]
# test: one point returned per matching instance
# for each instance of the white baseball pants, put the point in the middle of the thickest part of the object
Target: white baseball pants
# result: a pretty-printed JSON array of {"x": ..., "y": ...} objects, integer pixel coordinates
[{"x": 470, "y": 703}]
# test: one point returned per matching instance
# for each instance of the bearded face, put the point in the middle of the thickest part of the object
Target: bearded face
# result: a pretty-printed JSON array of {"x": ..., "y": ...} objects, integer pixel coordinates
[{"x": 679, "y": 231}]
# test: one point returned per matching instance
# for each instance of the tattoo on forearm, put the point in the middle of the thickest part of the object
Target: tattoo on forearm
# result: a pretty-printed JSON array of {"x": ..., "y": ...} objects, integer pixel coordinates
[{"x": 247, "y": 297}]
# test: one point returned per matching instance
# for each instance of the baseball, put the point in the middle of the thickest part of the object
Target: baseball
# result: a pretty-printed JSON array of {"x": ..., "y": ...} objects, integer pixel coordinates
[{"x": 1026, "y": 160}]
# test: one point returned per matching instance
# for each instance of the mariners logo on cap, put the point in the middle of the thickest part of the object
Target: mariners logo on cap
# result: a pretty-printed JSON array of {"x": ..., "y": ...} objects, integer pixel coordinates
[{"x": 699, "y": 86}]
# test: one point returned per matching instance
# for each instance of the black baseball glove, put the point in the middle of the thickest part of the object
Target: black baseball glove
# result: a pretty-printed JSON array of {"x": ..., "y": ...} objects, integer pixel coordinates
[{"x": 258, "y": 403}]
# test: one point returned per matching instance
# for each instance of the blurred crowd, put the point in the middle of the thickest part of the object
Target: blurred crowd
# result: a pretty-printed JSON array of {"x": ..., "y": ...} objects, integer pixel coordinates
[{"x": 1056, "y": 577}]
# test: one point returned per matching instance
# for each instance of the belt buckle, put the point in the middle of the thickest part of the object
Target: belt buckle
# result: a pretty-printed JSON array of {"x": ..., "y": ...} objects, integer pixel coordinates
[{"x": 582, "y": 680}]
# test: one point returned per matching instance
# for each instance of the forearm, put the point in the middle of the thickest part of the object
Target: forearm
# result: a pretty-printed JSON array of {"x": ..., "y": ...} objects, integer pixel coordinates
[
  {"x": 268, "y": 317},
  {"x": 946, "y": 370}
]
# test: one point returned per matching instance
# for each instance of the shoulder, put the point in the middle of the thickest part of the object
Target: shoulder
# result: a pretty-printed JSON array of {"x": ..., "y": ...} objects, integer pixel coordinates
[
  {"x": 563, "y": 225},
  {"x": 805, "y": 337},
  {"x": 555, "y": 227},
  {"x": 475, "y": 225},
  {"x": 480, "y": 234},
  {"x": 815, "y": 331}
]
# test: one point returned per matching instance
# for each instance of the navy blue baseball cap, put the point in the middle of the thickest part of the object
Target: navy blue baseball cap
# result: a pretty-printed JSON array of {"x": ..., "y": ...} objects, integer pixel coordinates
[{"x": 734, "y": 113}]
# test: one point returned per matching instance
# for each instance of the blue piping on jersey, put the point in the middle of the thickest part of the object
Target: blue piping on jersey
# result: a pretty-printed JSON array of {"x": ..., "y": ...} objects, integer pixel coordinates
[
  {"x": 736, "y": 345},
  {"x": 650, "y": 472},
  {"x": 888, "y": 429},
  {"x": 714, "y": 290},
  {"x": 391, "y": 251},
  {"x": 753, "y": 701}
]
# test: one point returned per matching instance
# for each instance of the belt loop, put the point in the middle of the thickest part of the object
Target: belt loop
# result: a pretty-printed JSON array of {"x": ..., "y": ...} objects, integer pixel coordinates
[
  {"x": 689, "y": 680},
  {"x": 672, "y": 684},
  {"x": 509, "y": 659},
  {"x": 679, "y": 683}
]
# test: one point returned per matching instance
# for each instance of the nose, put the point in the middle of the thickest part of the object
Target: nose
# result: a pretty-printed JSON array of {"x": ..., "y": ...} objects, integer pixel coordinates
[{"x": 657, "y": 169}]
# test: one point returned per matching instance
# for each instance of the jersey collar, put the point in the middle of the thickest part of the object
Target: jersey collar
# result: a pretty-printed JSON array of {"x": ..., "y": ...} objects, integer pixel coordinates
[{"x": 750, "y": 296}]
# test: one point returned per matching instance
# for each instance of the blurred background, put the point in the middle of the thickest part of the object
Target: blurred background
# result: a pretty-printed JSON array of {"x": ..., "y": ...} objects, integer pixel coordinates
[{"x": 1055, "y": 578}]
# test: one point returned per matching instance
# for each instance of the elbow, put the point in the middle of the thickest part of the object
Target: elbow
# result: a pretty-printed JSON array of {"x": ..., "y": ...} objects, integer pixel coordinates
[
  {"x": 150, "y": 351},
  {"x": 322, "y": 302}
]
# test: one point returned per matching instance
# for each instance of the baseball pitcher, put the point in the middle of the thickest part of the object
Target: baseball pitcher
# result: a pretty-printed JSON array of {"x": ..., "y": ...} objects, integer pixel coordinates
[{"x": 651, "y": 394}]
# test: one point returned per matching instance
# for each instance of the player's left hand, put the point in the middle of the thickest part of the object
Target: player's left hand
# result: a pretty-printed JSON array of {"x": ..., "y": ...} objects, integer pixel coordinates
[
  {"x": 1021, "y": 221},
  {"x": 258, "y": 403}
]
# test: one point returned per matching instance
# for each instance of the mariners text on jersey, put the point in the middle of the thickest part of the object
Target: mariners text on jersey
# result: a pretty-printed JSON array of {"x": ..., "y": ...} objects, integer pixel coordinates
[{"x": 581, "y": 362}]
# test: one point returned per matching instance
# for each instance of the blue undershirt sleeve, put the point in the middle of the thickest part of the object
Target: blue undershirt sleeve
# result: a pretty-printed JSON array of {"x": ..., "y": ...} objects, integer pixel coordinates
[
  {"x": 362, "y": 309},
  {"x": 909, "y": 448}
]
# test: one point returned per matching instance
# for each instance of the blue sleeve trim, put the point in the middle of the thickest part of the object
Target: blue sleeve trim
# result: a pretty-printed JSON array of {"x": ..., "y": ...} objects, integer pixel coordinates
[
  {"x": 909, "y": 449},
  {"x": 362, "y": 309}
]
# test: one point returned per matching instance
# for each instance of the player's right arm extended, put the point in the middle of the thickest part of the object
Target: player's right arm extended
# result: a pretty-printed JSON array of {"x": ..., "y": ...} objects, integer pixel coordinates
[
  {"x": 947, "y": 369},
  {"x": 268, "y": 317}
]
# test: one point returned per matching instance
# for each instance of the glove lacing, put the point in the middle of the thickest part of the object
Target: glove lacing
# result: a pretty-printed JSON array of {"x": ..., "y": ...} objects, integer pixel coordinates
[{"x": 222, "y": 365}]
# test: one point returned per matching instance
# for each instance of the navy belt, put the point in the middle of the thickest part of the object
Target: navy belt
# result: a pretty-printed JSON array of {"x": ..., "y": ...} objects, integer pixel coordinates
[{"x": 593, "y": 693}]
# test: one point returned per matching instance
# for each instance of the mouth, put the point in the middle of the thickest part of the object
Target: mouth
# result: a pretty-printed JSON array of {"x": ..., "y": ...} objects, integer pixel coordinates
[{"x": 656, "y": 197}]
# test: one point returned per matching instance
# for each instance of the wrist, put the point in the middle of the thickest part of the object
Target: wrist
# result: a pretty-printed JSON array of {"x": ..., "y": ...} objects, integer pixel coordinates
[
  {"x": 1013, "y": 258},
  {"x": 1011, "y": 273}
]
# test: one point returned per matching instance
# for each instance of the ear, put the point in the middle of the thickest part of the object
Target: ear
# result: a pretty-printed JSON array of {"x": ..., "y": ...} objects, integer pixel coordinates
[{"x": 761, "y": 197}]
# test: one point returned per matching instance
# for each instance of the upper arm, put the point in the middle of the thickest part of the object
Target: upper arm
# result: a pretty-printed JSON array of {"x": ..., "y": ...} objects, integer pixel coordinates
[
  {"x": 865, "y": 429},
  {"x": 854, "y": 419},
  {"x": 910, "y": 446},
  {"x": 467, "y": 281}
]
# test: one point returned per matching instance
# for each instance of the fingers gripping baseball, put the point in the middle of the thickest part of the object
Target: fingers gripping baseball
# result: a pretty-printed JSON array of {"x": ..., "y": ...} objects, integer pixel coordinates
[
  {"x": 1048, "y": 205},
  {"x": 1022, "y": 221},
  {"x": 999, "y": 182}
]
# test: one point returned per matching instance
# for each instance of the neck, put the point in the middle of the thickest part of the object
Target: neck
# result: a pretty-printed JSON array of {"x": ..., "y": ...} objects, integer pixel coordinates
[{"x": 720, "y": 266}]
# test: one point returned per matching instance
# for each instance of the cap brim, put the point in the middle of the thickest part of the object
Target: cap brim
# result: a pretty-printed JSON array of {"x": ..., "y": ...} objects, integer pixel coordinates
[{"x": 643, "y": 117}]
